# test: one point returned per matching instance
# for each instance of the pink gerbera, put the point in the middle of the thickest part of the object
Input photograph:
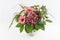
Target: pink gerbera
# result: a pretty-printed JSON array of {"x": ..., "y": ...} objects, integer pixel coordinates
[
  {"x": 29, "y": 9},
  {"x": 22, "y": 19}
]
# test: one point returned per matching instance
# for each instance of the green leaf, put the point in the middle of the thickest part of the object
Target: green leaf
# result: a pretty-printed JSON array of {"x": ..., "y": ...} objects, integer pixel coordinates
[
  {"x": 48, "y": 20},
  {"x": 37, "y": 27},
  {"x": 46, "y": 16},
  {"x": 21, "y": 28},
  {"x": 28, "y": 28},
  {"x": 44, "y": 10},
  {"x": 16, "y": 18},
  {"x": 18, "y": 25},
  {"x": 40, "y": 25}
]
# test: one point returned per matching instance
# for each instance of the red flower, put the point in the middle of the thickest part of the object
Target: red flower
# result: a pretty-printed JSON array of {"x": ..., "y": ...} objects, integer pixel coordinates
[{"x": 22, "y": 19}]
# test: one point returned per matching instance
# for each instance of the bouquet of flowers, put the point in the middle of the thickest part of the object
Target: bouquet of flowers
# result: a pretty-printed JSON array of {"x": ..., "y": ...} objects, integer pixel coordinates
[{"x": 32, "y": 18}]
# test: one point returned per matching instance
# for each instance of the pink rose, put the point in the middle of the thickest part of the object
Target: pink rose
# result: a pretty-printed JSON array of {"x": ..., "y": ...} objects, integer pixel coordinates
[
  {"x": 22, "y": 19},
  {"x": 29, "y": 9}
]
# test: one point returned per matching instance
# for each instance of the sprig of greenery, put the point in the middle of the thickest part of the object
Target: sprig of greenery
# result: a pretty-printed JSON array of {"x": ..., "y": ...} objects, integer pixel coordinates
[
  {"x": 48, "y": 20},
  {"x": 15, "y": 18},
  {"x": 12, "y": 22},
  {"x": 36, "y": 6}
]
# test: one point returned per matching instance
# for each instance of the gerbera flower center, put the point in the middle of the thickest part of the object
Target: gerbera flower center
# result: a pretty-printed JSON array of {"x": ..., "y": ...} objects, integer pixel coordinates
[{"x": 22, "y": 19}]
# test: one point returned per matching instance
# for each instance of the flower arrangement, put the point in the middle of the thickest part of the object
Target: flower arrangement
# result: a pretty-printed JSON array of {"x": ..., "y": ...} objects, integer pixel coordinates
[{"x": 32, "y": 18}]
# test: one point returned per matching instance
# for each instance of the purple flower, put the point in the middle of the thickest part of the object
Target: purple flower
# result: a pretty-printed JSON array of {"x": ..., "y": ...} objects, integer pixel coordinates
[{"x": 31, "y": 18}]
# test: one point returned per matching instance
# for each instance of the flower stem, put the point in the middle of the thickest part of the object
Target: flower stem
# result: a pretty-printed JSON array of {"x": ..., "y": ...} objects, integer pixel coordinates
[
  {"x": 12, "y": 22},
  {"x": 22, "y": 6}
]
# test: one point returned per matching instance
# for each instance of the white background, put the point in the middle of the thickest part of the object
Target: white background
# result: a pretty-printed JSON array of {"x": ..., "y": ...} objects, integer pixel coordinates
[{"x": 7, "y": 12}]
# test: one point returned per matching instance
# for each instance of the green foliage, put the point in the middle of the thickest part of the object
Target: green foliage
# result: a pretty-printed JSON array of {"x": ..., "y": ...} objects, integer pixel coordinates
[
  {"x": 20, "y": 26},
  {"x": 44, "y": 22},
  {"x": 46, "y": 16},
  {"x": 48, "y": 20},
  {"x": 44, "y": 10},
  {"x": 12, "y": 21},
  {"x": 37, "y": 27},
  {"x": 36, "y": 6},
  {"x": 40, "y": 25},
  {"x": 16, "y": 18},
  {"x": 28, "y": 28}
]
